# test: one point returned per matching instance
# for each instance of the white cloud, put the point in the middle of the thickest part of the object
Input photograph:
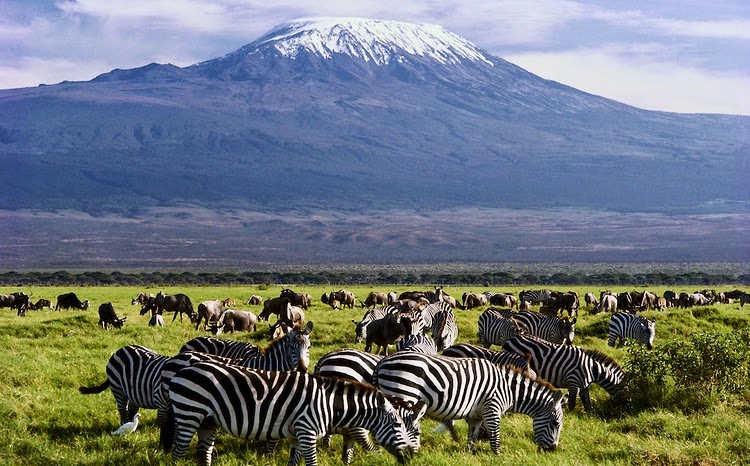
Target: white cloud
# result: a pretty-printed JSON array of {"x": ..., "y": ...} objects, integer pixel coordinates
[{"x": 646, "y": 80}]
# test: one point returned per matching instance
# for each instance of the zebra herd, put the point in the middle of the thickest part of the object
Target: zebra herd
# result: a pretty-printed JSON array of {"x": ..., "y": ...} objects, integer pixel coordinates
[{"x": 266, "y": 394}]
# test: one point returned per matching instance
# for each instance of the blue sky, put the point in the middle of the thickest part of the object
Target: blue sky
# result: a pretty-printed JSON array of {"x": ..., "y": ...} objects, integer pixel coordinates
[{"x": 682, "y": 56}]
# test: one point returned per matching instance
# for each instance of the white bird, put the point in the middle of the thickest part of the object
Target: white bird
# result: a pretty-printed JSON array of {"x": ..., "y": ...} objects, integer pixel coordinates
[{"x": 128, "y": 427}]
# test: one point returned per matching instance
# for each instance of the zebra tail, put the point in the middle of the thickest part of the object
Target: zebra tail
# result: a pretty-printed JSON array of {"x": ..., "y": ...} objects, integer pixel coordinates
[
  {"x": 95, "y": 388},
  {"x": 166, "y": 431}
]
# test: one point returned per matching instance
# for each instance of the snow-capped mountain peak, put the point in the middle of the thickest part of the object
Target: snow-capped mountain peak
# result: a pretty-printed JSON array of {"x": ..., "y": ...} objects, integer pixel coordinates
[{"x": 377, "y": 41}]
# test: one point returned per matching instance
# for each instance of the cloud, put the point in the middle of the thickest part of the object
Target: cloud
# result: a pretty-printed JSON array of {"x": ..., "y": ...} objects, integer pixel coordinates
[{"x": 639, "y": 75}]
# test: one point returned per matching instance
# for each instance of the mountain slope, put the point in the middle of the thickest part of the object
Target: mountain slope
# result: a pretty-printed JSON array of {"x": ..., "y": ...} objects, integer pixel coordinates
[{"x": 350, "y": 114}]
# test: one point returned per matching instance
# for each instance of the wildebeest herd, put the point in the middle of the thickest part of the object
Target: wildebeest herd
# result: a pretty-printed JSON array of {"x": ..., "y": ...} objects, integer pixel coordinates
[{"x": 266, "y": 393}]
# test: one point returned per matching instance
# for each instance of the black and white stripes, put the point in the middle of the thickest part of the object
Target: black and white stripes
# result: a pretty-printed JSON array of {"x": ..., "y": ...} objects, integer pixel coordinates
[{"x": 624, "y": 325}]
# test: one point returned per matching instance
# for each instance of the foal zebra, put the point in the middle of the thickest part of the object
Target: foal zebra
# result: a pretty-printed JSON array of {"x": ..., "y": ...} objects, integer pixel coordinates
[
  {"x": 551, "y": 328},
  {"x": 494, "y": 328},
  {"x": 570, "y": 367},
  {"x": 623, "y": 325},
  {"x": 266, "y": 406},
  {"x": 472, "y": 389}
]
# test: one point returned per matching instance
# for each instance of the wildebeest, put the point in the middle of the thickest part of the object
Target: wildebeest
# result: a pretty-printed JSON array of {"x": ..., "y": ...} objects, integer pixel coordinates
[
  {"x": 590, "y": 299},
  {"x": 254, "y": 300},
  {"x": 229, "y": 302},
  {"x": 209, "y": 311},
  {"x": 302, "y": 300},
  {"x": 17, "y": 300},
  {"x": 178, "y": 303},
  {"x": 383, "y": 332},
  {"x": 108, "y": 316},
  {"x": 292, "y": 316},
  {"x": 70, "y": 300},
  {"x": 231, "y": 320},
  {"x": 472, "y": 300},
  {"x": 375, "y": 299},
  {"x": 671, "y": 297},
  {"x": 344, "y": 297},
  {"x": 273, "y": 306},
  {"x": 41, "y": 304},
  {"x": 608, "y": 302},
  {"x": 142, "y": 299}
]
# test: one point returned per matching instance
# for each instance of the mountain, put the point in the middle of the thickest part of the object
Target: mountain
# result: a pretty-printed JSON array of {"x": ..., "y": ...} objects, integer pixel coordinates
[{"x": 355, "y": 115}]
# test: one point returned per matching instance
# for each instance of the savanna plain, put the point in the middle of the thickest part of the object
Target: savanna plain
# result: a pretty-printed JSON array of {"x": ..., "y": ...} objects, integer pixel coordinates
[{"x": 47, "y": 355}]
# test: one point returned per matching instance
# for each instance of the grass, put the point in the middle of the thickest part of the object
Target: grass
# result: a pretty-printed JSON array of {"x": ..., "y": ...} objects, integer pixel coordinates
[{"x": 48, "y": 355}]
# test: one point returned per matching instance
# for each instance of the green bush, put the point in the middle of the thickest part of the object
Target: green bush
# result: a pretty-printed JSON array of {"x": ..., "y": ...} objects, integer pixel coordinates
[{"x": 689, "y": 374}]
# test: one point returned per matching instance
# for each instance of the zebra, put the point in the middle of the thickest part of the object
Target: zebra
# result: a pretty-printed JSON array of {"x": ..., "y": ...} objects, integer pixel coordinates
[
  {"x": 133, "y": 376},
  {"x": 570, "y": 367},
  {"x": 269, "y": 405},
  {"x": 418, "y": 342},
  {"x": 358, "y": 366},
  {"x": 551, "y": 328},
  {"x": 288, "y": 352},
  {"x": 220, "y": 347},
  {"x": 624, "y": 325},
  {"x": 444, "y": 329},
  {"x": 466, "y": 350},
  {"x": 494, "y": 328},
  {"x": 429, "y": 312},
  {"x": 535, "y": 296},
  {"x": 472, "y": 389}
]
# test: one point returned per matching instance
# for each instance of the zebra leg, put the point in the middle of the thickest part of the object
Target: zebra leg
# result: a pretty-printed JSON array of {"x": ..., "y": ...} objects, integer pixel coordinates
[
  {"x": 326, "y": 440},
  {"x": 572, "y": 394},
  {"x": 362, "y": 437},
  {"x": 586, "y": 398},
  {"x": 347, "y": 453},
  {"x": 130, "y": 412},
  {"x": 303, "y": 446},
  {"x": 206, "y": 437}
]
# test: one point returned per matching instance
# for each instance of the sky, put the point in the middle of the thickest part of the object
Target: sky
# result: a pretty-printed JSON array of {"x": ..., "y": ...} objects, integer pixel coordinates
[{"x": 690, "y": 56}]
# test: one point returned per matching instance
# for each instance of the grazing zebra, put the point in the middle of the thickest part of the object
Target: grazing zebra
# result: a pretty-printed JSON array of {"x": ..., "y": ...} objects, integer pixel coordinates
[
  {"x": 418, "y": 342},
  {"x": 375, "y": 313},
  {"x": 570, "y": 367},
  {"x": 551, "y": 328},
  {"x": 429, "y": 312},
  {"x": 494, "y": 328},
  {"x": 444, "y": 329},
  {"x": 535, "y": 296},
  {"x": 133, "y": 376},
  {"x": 466, "y": 350},
  {"x": 358, "y": 366},
  {"x": 267, "y": 405},
  {"x": 472, "y": 389},
  {"x": 624, "y": 325},
  {"x": 220, "y": 347}
]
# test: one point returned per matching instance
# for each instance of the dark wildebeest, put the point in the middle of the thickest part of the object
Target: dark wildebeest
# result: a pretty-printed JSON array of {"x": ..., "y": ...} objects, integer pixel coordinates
[
  {"x": 383, "y": 332},
  {"x": 254, "y": 300},
  {"x": 344, "y": 297},
  {"x": 41, "y": 304},
  {"x": 107, "y": 317},
  {"x": 590, "y": 299},
  {"x": 472, "y": 300},
  {"x": 70, "y": 300},
  {"x": 209, "y": 311},
  {"x": 292, "y": 316},
  {"x": 142, "y": 299},
  {"x": 273, "y": 306},
  {"x": 177, "y": 303},
  {"x": 671, "y": 297},
  {"x": 607, "y": 302},
  {"x": 297, "y": 299},
  {"x": 375, "y": 299},
  {"x": 231, "y": 320},
  {"x": 17, "y": 300}
]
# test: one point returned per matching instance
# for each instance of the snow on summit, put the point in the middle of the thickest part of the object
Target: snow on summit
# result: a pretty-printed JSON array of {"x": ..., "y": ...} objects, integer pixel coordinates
[{"x": 371, "y": 40}]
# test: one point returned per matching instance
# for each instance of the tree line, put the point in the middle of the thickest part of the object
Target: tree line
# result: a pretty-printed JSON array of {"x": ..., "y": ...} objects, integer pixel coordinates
[{"x": 338, "y": 277}]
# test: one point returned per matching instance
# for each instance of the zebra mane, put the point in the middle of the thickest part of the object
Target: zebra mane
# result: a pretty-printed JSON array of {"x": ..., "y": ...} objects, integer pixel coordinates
[
  {"x": 278, "y": 342},
  {"x": 600, "y": 357},
  {"x": 330, "y": 380}
]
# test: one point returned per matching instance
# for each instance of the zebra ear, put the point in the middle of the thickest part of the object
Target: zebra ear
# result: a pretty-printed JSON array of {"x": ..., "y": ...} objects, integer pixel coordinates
[
  {"x": 557, "y": 396},
  {"x": 308, "y": 328}
]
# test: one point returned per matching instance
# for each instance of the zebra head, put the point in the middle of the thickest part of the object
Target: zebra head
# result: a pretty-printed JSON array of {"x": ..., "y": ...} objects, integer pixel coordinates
[
  {"x": 568, "y": 329},
  {"x": 393, "y": 432},
  {"x": 297, "y": 347},
  {"x": 548, "y": 425},
  {"x": 648, "y": 333}
]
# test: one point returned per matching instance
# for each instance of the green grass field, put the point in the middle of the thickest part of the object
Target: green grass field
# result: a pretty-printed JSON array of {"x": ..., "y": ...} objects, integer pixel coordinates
[{"x": 47, "y": 355}]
